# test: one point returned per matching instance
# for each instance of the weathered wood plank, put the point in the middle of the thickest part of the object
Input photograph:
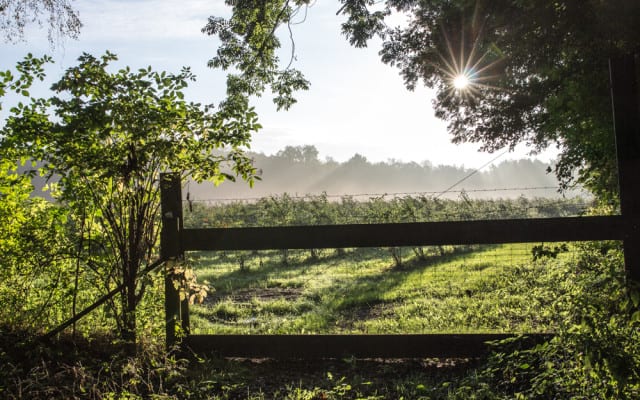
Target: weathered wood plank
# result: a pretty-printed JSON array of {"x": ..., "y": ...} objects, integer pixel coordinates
[
  {"x": 170, "y": 250},
  {"x": 410, "y": 234},
  {"x": 338, "y": 346},
  {"x": 624, "y": 96}
]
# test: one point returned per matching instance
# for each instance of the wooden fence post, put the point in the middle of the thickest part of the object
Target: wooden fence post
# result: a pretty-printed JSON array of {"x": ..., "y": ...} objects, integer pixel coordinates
[
  {"x": 626, "y": 119},
  {"x": 171, "y": 249}
]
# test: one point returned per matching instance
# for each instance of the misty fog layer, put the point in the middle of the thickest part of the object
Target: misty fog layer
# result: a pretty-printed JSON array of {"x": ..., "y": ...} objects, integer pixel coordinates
[{"x": 297, "y": 170}]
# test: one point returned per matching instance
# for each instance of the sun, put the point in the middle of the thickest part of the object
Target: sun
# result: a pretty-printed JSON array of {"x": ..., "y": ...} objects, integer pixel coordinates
[{"x": 461, "y": 81}]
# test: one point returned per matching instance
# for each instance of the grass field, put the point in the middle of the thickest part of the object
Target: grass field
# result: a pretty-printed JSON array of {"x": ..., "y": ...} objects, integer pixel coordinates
[{"x": 463, "y": 290}]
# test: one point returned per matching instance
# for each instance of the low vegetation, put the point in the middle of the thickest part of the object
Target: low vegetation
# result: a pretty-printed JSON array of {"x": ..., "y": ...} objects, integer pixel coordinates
[
  {"x": 107, "y": 135},
  {"x": 284, "y": 210},
  {"x": 594, "y": 353},
  {"x": 576, "y": 291}
]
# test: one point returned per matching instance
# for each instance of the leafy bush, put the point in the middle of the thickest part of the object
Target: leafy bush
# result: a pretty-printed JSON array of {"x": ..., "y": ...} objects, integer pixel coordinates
[
  {"x": 36, "y": 269},
  {"x": 595, "y": 352}
]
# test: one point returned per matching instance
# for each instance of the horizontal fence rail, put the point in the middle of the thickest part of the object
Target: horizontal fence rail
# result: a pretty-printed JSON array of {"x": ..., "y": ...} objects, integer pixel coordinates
[
  {"x": 410, "y": 234},
  {"x": 359, "y": 346}
]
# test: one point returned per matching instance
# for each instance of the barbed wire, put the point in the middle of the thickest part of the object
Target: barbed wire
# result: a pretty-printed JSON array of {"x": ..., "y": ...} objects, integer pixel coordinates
[
  {"x": 475, "y": 171},
  {"x": 432, "y": 193}
]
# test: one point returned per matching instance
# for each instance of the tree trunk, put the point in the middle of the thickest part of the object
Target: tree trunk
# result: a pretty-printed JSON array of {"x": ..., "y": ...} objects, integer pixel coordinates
[
  {"x": 129, "y": 310},
  {"x": 419, "y": 252},
  {"x": 396, "y": 253},
  {"x": 130, "y": 272}
]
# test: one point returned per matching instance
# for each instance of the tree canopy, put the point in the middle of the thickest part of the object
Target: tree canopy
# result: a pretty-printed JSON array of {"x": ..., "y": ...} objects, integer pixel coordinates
[
  {"x": 537, "y": 71},
  {"x": 249, "y": 44}
]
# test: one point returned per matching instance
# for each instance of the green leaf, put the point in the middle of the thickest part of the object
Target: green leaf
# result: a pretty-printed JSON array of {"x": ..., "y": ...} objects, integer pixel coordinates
[{"x": 635, "y": 297}]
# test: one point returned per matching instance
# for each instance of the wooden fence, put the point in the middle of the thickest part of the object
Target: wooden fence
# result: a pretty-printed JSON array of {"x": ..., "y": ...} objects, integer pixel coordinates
[{"x": 175, "y": 240}]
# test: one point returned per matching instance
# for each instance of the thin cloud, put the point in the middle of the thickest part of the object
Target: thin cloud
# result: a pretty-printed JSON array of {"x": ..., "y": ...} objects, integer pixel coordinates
[{"x": 146, "y": 19}]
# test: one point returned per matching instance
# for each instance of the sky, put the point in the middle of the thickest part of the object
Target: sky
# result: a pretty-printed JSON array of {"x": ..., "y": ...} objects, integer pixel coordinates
[{"x": 356, "y": 104}]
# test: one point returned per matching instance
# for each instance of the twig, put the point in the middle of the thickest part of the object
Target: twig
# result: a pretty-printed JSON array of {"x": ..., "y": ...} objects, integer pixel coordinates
[{"x": 97, "y": 303}]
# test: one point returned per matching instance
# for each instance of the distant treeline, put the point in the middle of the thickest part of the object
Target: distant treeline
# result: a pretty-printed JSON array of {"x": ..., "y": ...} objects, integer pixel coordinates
[{"x": 298, "y": 170}]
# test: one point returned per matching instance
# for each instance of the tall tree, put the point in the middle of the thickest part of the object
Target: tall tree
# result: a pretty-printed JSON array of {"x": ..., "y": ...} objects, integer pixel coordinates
[
  {"x": 537, "y": 72},
  {"x": 109, "y": 137}
]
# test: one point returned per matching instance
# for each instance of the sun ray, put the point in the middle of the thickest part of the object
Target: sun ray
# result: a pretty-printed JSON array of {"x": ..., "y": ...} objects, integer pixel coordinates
[{"x": 463, "y": 65}]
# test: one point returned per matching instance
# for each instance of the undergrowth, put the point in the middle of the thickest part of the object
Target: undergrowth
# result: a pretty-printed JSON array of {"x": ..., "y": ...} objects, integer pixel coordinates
[{"x": 595, "y": 354}]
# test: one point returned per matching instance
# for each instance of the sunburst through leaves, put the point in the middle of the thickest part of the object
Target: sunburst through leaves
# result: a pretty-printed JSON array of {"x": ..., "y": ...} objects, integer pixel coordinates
[{"x": 468, "y": 68}]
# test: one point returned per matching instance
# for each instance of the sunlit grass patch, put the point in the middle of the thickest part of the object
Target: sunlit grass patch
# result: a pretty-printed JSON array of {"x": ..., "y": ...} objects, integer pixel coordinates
[{"x": 451, "y": 290}]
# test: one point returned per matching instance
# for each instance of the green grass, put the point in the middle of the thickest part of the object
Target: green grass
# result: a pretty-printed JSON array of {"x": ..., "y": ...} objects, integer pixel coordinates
[{"x": 483, "y": 289}]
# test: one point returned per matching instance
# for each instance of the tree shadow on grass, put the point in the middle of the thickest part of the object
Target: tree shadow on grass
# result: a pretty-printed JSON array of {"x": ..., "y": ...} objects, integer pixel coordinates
[
  {"x": 271, "y": 267},
  {"x": 460, "y": 253},
  {"x": 267, "y": 265},
  {"x": 360, "y": 296}
]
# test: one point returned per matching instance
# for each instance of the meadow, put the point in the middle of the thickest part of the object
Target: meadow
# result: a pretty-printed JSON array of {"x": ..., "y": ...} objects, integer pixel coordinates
[
  {"x": 479, "y": 289},
  {"x": 433, "y": 289}
]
